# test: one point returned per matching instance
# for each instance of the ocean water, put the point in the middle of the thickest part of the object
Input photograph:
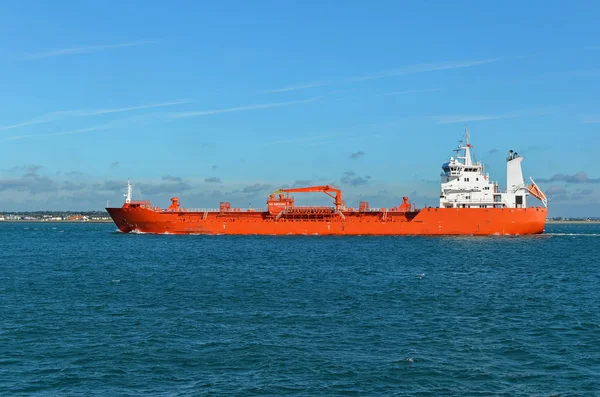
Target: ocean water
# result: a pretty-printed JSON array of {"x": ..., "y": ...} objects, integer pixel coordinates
[{"x": 85, "y": 310}]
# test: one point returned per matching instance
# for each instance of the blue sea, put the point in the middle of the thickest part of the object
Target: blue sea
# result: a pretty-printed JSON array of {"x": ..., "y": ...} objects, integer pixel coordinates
[{"x": 86, "y": 310}]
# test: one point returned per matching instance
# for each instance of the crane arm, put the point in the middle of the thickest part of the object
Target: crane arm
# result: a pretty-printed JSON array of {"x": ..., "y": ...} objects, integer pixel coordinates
[{"x": 311, "y": 189}]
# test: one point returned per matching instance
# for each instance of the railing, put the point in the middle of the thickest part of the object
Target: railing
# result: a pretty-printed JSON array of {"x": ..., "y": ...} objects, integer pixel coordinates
[
  {"x": 308, "y": 211},
  {"x": 141, "y": 203},
  {"x": 246, "y": 209},
  {"x": 367, "y": 210},
  {"x": 287, "y": 209},
  {"x": 310, "y": 207},
  {"x": 332, "y": 209},
  {"x": 205, "y": 210},
  {"x": 198, "y": 209}
]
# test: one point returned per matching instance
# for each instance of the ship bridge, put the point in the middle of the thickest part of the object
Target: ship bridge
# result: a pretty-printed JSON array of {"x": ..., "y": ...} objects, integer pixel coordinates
[{"x": 464, "y": 183}]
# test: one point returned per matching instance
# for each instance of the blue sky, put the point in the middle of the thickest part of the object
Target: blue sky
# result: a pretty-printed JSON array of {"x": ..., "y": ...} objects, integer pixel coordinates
[{"x": 229, "y": 100}]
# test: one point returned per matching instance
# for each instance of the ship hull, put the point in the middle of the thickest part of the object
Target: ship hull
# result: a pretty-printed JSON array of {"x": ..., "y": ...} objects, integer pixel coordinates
[{"x": 428, "y": 221}]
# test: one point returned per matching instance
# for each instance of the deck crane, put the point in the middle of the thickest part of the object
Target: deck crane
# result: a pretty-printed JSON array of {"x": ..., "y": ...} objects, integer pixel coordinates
[{"x": 325, "y": 189}]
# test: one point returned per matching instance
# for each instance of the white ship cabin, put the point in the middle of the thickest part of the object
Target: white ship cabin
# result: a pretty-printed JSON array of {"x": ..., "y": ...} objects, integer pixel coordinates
[{"x": 465, "y": 185}]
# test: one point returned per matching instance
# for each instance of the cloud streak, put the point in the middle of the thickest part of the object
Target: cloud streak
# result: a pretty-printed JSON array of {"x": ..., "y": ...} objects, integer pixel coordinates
[
  {"x": 115, "y": 124},
  {"x": 61, "y": 115},
  {"x": 412, "y": 91},
  {"x": 425, "y": 67},
  {"x": 295, "y": 87},
  {"x": 84, "y": 49},
  {"x": 127, "y": 109},
  {"x": 240, "y": 108},
  {"x": 405, "y": 70},
  {"x": 451, "y": 119},
  {"x": 15, "y": 138}
]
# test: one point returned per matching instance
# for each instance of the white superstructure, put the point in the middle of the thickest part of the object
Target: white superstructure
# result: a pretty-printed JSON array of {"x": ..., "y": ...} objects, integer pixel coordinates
[{"x": 464, "y": 184}]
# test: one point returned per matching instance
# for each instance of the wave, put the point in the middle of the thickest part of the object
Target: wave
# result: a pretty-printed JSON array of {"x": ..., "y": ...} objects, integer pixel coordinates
[{"x": 574, "y": 234}]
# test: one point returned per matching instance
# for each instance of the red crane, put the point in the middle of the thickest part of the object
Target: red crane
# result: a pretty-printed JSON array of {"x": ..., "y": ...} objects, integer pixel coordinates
[{"x": 325, "y": 189}]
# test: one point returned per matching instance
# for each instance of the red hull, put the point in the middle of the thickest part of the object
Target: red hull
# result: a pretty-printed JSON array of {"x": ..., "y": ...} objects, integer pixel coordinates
[{"x": 428, "y": 221}]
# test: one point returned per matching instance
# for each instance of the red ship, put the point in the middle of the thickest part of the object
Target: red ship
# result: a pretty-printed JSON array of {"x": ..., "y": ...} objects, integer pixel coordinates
[{"x": 470, "y": 204}]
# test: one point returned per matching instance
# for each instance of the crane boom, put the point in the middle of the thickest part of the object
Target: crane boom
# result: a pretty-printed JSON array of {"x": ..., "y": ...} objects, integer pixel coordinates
[{"x": 312, "y": 189}]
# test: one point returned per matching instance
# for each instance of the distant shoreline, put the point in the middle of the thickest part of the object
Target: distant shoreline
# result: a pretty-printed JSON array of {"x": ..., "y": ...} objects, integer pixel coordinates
[{"x": 55, "y": 221}]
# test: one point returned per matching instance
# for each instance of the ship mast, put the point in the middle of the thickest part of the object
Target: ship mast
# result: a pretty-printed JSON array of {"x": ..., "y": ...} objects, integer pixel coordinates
[
  {"x": 467, "y": 148},
  {"x": 129, "y": 191}
]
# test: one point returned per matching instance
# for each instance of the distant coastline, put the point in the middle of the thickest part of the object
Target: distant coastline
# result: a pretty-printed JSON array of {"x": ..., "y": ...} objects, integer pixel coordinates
[
  {"x": 56, "y": 216},
  {"x": 56, "y": 221}
]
